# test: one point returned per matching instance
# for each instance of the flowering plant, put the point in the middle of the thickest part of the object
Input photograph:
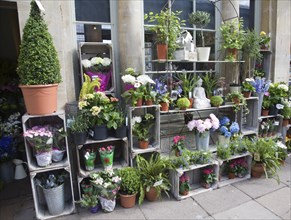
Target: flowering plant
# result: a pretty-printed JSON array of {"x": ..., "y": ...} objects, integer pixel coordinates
[
  {"x": 226, "y": 128},
  {"x": 7, "y": 149},
  {"x": 178, "y": 143},
  {"x": 238, "y": 166},
  {"x": 264, "y": 39},
  {"x": 201, "y": 126},
  {"x": 106, "y": 182},
  {"x": 40, "y": 137},
  {"x": 97, "y": 64},
  {"x": 184, "y": 183},
  {"x": 208, "y": 176},
  {"x": 131, "y": 71},
  {"x": 277, "y": 92},
  {"x": 162, "y": 91},
  {"x": 141, "y": 126},
  {"x": 108, "y": 150},
  {"x": 247, "y": 85},
  {"x": 260, "y": 84}
]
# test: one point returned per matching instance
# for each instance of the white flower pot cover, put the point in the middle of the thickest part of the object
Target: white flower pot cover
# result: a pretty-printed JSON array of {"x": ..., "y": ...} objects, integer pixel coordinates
[
  {"x": 58, "y": 155},
  {"x": 44, "y": 159},
  {"x": 203, "y": 53},
  {"x": 107, "y": 204}
]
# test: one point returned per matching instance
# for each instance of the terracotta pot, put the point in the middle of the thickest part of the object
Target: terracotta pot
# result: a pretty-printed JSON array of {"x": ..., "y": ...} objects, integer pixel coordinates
[
  {"x": 206, "y": 185},
  {"x": 40, "y": 99},
  {"x": 236, "y": 100},
  {"x": 143, "y": 144},
  {"x": 152, "y": 194},
  {"x": 184, "y": 193},
  {"x": 177, "y": 153},
  {"x": 231, "y": 175},
  {"x": 247, "y": 94},
  {"x": 232, "y": 52},
  {"x": 139, "y": 102},
  {"x": 257, "y": 170},
  {"x": 285, "y": 122},
  {"x": 127, "y": 201},
  {"x": 164, "y": 106},
  {"x": 265, "y": 112},
  {"x": 162, "y": 50},
  {"x": 149, "y": 102},
  {"x": 191, "y": 102}
]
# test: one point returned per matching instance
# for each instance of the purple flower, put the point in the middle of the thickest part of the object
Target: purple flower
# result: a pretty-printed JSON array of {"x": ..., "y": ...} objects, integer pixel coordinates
[
  {"x": 261, "y": 84},
  {"x": 224, "y": 121},
  {"x": 234, "y": 128}
]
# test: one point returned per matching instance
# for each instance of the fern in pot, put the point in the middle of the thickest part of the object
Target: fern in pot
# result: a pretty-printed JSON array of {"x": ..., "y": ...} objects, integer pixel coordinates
[{"x": 38, "y": 66}]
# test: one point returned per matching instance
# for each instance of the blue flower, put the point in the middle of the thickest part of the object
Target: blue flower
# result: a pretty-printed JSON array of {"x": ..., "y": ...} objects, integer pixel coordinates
[
  {"x": 223, "y": 129},
  {"x": 234, "y": 128},
  {"x": 224, "y": 121}
]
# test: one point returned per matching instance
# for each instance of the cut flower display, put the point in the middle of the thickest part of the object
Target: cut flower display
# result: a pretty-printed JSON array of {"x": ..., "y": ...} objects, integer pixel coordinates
[
  {"x": 227, "y": 128},
  {"x": 97, "y": 64},
  {"x": 201, "y": 126}
]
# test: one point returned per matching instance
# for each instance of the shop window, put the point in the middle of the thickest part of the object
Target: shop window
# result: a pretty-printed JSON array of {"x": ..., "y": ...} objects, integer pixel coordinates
[{"x": 92, "y": 10}]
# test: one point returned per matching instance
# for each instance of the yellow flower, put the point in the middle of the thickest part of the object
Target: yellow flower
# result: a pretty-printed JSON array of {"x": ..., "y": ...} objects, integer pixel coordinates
[
  {"x": 89, "y": 96},
  {"x": 263, "y": 33},
  {"x": 82, "y": 104},
  {"x": 95, "y": 110}
]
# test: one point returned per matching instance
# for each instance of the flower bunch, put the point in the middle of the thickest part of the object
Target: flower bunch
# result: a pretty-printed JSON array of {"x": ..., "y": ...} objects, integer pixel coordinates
[
  {"x": 97, "y": 64},
  {"x": 208, "y": 176},
  {"x": 238, "y": 166},
  {"x": 40, "y": 137},
  {"x": 7, "y": 149},
  {"x": 107, "y": 183},
  {"x": 106, "y": 150},
  {"x": 277, "y": 93},
  {"x": 141, "y": 126},
  {"x": 178, "y": 143},
  {"x": 226, "y": 128},
  {"x": 261, "y": 84},
  {"x": 201, "y": 126},
  {"x": 247, "y": 86}
]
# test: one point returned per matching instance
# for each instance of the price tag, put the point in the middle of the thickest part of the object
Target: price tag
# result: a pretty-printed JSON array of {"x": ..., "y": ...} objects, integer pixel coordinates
[
  {"x": 158, "y": 183},
  {"x": 91, "y": 133},
  {"x": 41, "y": 8},
  {"x": 87, "y": 155},
  {"x": 256, "y": 157}
]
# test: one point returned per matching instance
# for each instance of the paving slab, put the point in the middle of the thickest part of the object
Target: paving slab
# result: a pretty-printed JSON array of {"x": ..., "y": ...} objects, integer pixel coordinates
[
  {"x": 285, "y": 174},
  {"x": 248, "y": 210},
  {"x": 170, "y": 208},
  {"x": 281, "y": 205},
  {"x": 221, "y": 199},
  {"x": 287, "y": 215},
  {"x": 257, "y": 187}
]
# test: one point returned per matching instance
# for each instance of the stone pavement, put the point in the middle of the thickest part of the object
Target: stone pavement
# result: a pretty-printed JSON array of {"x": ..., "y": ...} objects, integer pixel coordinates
[{"x": 249, "y": 199}]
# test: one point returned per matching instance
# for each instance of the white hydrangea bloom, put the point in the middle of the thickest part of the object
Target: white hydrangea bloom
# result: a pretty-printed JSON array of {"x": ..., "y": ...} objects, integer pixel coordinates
[
  {"x": 128, "y": 79},
  {"x": 136, "y": 119},
  {"x": 106, "y": 61},
  {"x": 86, "y": 63},
  {"x": 96, "y": 61},
  {"x": 144, "y": 79},
  {"x": 116, "y": 179},
  {"x": 283, "y": 87}
]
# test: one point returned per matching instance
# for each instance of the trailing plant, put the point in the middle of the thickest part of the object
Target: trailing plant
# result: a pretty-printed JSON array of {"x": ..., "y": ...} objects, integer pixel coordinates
[
  {"x": 240, "y": 103},
  {"x": 38, "y": 60}
]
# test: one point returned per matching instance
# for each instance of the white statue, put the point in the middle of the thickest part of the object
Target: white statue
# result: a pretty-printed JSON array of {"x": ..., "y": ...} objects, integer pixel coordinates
[{"x": 200, "y": 100}]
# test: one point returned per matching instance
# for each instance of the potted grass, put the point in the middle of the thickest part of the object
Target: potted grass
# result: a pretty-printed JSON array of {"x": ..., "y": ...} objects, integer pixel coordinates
[
  {"x": 79, "y": 129},
  {"x": 38, "y": 66},
  {"x": 130, "y": 185}
]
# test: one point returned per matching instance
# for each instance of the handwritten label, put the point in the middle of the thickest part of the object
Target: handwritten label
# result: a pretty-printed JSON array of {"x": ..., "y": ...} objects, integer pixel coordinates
[
  {"x": 41, "y": 8},
  {"x": 256, "y": 157},
  {"x": 158, "y": 183},
  {"x": 87, "y": 155}
]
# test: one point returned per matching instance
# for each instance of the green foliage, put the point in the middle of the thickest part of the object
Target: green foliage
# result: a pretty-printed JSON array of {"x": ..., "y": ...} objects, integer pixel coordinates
[
  {"x": 154, "y": 174},
  {"x": 133, "y": 95},
  {"x": 116, "y": 119},
  {"x": 247, "y": 87},
  {"x": 200, "y": 19},
  {"x": 286, "y": 111},
  {"x": 209, "y": 83},
  {"x": 266, "y": 104},
  {"x": 216, "y": 100},
  {"x": 88, "y": 201},
  {"x": 88, "y": 86},
  {"x": 80, "y": 123},
  {"x": 142, "y": 125},
  {"x": 167, "y": 28},
  {"x": 223, "y": 152},
  {"x": 251, "y": 46},
  {"x": 242, "y": 101},
  {"x": 130, "y": 180},
  {"x": 38, "y": 60},
  {"x": 188, "y": 82},
  {"x": 183, "y": 102},
  {"x": 233, "y": 34}
]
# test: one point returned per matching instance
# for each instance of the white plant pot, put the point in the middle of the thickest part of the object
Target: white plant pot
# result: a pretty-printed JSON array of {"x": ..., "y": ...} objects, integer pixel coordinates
[
  {"x": 203, "y": 53},
  {"x": 44, "y": 159}
]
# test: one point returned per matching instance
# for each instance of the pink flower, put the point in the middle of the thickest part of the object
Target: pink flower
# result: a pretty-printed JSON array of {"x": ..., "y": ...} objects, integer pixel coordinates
[
  {"x": 103, "y": 149},
  {"x": 191, "y": 125},
  {"x": 207, "y": 124},
  {"x": 267, "y": 94},
  {"x": 201, "y": 128},
  {"x": 207, "y": 171}
]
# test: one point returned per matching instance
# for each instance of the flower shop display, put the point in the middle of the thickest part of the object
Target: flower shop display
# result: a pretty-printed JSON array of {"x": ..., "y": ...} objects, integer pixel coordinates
[
  {"x": 59, "y": 144},
  {"x": 237, "y": 168},
  {"x": 226, "y": 130},
  {"x": 247, "y": 87},
  {"x": 107, "y": 184},
  {"x": 38, "y": 85},
  {"x": 178, "y": 145},
  {"x": 265, "y": 40},
  {"x": 202, "y": 130},
  {"x": 216, "y": 100},
  {"x": 89, "y": 159},
  {"x": 154, "y": 176},
  {"x": 208, "y": 177},
  {"x": 91, "y": 202},
  {"x": 40, "y": 138},
  {"x": 100, "y": 67},
  {"x": 130, "y": 186},
  {"x": 184, "y": 184},
  {"x": 141, "y": 129},
  {"x": 106, "y": 156}
]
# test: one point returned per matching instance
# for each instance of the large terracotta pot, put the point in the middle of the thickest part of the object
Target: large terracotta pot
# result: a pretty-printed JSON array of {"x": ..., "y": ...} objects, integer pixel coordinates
[
  {"x": 162, "y": 50},
  {"x": 152, "y": 194},
  {"x": 257, "y": 170},
  {"x": 149, "y": 102},
  {"x": 127, "y": 201},
  {"x": 40, "y": 99}
]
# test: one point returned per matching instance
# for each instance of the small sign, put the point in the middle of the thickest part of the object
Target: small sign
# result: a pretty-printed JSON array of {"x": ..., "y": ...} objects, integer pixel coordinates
[
  {"x": 256, "y": 157},
  {"x": 41, "y": 8},
  {"x": 87, "y": 155},
  {"x": 158, "y": 183}
]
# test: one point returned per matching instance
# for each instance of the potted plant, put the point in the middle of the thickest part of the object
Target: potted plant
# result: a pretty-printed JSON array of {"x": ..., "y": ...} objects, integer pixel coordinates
[
  {"x": 79, "y": 128},
  {"x": 38, "y": 65},
  {"x": 223, "y": 152},
  {"x": 209, "y": 83},
  {"x": 266, "y": 104},
  {"x": 277, "y": 93},
  {"x": 233, "y": 36},
  {"x": 183, "y": 103},
  {"x": 89, "y": 158},
  {"x": 117, "y": 118},
  {"x": 41, "y": 139},
  {"x": 59, "y": 144},
  {"x": 247, "y": 88},
  {"x": 129, "y": 78},
  {"x": 89, "y": 86},
  {"x": 162, "y": 95},
  {"x": 107, "y": 184},
  {"x": 286, "y": 113},
  {"x": 178, "y": 145},
  {"x": 90, "y": 201},
  {"x": 201, "y": 19},
  {"x": 130, "y": 186},
  {"x": 184, "y": 184},
  {"x": 264, "y": 157},
  {"x": 216, "y": 100},
  {"x": 154, "y": 176},
  {"x": 141, "y": 129},
  {"x": 239, "y": 101},
  {"x": 227, "y": 129},
  {"x": 106, "y": 156},
  {"x": 265, "y": 40},
  {"x": 237, "y": 168},
  {"x": 208, "y": 177},
  {"x": 167, "y": 29}
]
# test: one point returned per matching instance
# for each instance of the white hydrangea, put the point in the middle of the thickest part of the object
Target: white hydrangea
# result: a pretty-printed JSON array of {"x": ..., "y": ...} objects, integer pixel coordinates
[
  {"x": 283, "y": 87},
  {"x": 106, "y": 61},
  {"x": 136, "y": 119},
  {"x": 96, "y": 61},
  {"x": 128, "y": 79},
  {"x": 86, "y": 63},
  {"x": 145, "y": 79},
  {"x": 99, "y": 181}
]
